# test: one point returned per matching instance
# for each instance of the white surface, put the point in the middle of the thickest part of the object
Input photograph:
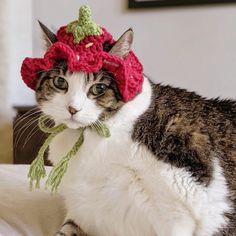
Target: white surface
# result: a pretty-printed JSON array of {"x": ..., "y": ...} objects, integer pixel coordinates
[
  {"x": 191, "y": 47},
  {"x": 25, "y": 213}
]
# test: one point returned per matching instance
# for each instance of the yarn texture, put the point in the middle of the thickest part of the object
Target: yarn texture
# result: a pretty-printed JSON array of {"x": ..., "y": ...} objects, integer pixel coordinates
[
  {"x": 80, "y": 43},
  {"x": 37, "y": 169},
  {"x": 84, "y": 26}
]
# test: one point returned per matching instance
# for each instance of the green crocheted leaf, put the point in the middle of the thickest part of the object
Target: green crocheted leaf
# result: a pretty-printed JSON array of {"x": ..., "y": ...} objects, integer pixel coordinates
[{"x": 84, "y": 26}]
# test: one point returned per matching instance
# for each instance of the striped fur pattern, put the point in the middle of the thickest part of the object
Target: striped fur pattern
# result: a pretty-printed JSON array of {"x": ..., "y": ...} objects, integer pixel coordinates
[{"x": 70, "y": 228}]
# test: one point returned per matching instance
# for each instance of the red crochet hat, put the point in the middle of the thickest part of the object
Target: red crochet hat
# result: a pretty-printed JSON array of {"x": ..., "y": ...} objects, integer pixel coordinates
[{"x": 81, "y": 44}]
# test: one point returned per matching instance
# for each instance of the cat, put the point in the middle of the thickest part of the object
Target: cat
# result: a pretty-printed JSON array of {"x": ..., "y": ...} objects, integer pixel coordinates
[{"x": 168, "y": 169}]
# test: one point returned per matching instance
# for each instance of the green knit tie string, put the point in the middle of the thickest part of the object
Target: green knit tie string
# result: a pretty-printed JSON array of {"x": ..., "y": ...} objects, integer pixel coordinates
[
  {"x": 84, "y": 26},
  {"x": 56, "y": 174},
  {"x": 37, "y": 169}
]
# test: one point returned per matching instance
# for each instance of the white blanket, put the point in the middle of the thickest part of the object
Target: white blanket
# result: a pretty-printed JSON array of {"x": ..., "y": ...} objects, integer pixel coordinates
[{"x": 26, "y": 213}]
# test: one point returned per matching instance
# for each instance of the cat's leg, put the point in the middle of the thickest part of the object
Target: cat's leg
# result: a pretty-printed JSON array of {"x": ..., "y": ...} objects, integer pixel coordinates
[{"x": 70, "y": 228}]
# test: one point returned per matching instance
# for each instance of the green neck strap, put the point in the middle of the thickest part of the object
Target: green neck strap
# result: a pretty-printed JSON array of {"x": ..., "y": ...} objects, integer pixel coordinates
[{"x": 37, "y": 168}]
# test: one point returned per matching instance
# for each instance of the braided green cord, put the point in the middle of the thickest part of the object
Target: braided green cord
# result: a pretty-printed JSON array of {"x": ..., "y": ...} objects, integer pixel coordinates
[
  {"x": 37, "y": 169},
  {"x": 84, "y": 26},
  {"x": 56, "y": 174}
]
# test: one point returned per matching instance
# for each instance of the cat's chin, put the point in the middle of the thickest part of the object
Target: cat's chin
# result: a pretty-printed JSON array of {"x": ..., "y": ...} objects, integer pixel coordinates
[{"x": 74, "y": 124}]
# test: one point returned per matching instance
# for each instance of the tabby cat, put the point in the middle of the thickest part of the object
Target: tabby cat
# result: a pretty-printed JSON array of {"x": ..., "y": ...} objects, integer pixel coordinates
[{"x": 168, "y": 169}]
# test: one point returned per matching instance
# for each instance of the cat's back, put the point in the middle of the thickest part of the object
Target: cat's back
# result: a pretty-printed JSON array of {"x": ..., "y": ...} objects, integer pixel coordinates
[
  {"x": 174, "y": 108},
  {"x": 183, "y": 102},
  {"x": 184, "y": 110},
  {"x": 193, "y": 133}
]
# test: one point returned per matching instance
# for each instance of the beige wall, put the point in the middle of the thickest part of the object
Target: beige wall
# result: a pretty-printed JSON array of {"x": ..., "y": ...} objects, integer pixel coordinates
[
  {"x": 20, "y": 46},
  {"x": 15, "y": 44},
  {"x": 5, "y": 110}
]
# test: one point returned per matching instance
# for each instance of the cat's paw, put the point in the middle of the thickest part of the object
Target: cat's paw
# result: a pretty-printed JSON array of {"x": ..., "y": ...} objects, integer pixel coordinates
[{"x": 70, "y": 228}]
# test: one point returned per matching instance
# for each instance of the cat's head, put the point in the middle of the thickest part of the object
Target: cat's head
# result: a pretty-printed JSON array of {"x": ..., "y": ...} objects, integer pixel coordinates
[{"x": 79, "y": 99}]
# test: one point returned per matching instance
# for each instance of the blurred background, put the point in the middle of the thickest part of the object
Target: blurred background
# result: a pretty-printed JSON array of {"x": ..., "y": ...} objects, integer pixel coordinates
[{"x": 193, "y": 47}]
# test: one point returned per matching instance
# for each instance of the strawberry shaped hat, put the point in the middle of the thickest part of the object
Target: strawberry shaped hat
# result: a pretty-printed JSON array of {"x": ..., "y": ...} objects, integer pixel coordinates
[{"x": 81, "y": 44}]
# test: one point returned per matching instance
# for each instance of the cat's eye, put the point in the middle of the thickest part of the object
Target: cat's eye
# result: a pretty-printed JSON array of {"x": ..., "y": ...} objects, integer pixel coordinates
[
  {"x": 98, "y": 89},
  {"x": 60, "y": 83}
]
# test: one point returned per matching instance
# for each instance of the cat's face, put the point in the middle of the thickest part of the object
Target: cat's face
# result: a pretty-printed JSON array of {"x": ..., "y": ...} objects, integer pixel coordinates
[{"x": 79, "y": 99}]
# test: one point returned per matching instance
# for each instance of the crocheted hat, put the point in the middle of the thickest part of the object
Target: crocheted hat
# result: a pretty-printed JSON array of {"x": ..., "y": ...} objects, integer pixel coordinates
[{"x": 81, "y": 44}]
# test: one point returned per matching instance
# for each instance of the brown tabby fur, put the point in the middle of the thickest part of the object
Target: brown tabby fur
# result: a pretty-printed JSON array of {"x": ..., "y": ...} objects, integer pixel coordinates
[{"x": 188, "y": 131}]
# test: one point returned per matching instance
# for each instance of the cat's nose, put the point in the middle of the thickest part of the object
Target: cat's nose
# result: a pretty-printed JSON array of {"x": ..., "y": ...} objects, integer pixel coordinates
[{"x": 72, "y": 110}]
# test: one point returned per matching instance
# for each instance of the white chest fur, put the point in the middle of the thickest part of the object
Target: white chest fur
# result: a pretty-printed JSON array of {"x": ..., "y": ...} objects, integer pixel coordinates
[{"x": 113, "y": 186}]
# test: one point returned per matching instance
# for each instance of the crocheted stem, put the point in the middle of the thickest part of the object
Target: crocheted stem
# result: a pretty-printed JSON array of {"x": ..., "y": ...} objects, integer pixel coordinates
[
  {"x": 85, "y": 15},
  {"x": 60, "y": 169},
  {"x": 84, "y": 26},
  {"x": 37, "y": 169}
]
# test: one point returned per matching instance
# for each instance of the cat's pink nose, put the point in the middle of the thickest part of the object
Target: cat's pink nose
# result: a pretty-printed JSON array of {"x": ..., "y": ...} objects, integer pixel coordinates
[{"x": 72, "y": 110}]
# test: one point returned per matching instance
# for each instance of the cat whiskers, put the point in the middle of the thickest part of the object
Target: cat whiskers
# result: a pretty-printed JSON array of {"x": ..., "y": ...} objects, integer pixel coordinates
[
  {"x": 31, "y": 112},
  {"x": 32, "y": 119},
  {"x": 23, "y": 130},
  {"x": 35, "y": 130},
  {"x": 97, "y": 124},
  {"x": 18, "y": 132}
]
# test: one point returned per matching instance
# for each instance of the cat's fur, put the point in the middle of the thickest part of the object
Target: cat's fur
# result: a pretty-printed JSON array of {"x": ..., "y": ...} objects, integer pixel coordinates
[{"x": 168, "y": 169}]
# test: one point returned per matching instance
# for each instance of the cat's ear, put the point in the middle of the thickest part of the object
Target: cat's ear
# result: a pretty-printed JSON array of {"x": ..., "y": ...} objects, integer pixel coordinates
[
  {"x": 48, "y": 36},
  {"x": 123, "y": 45}
]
